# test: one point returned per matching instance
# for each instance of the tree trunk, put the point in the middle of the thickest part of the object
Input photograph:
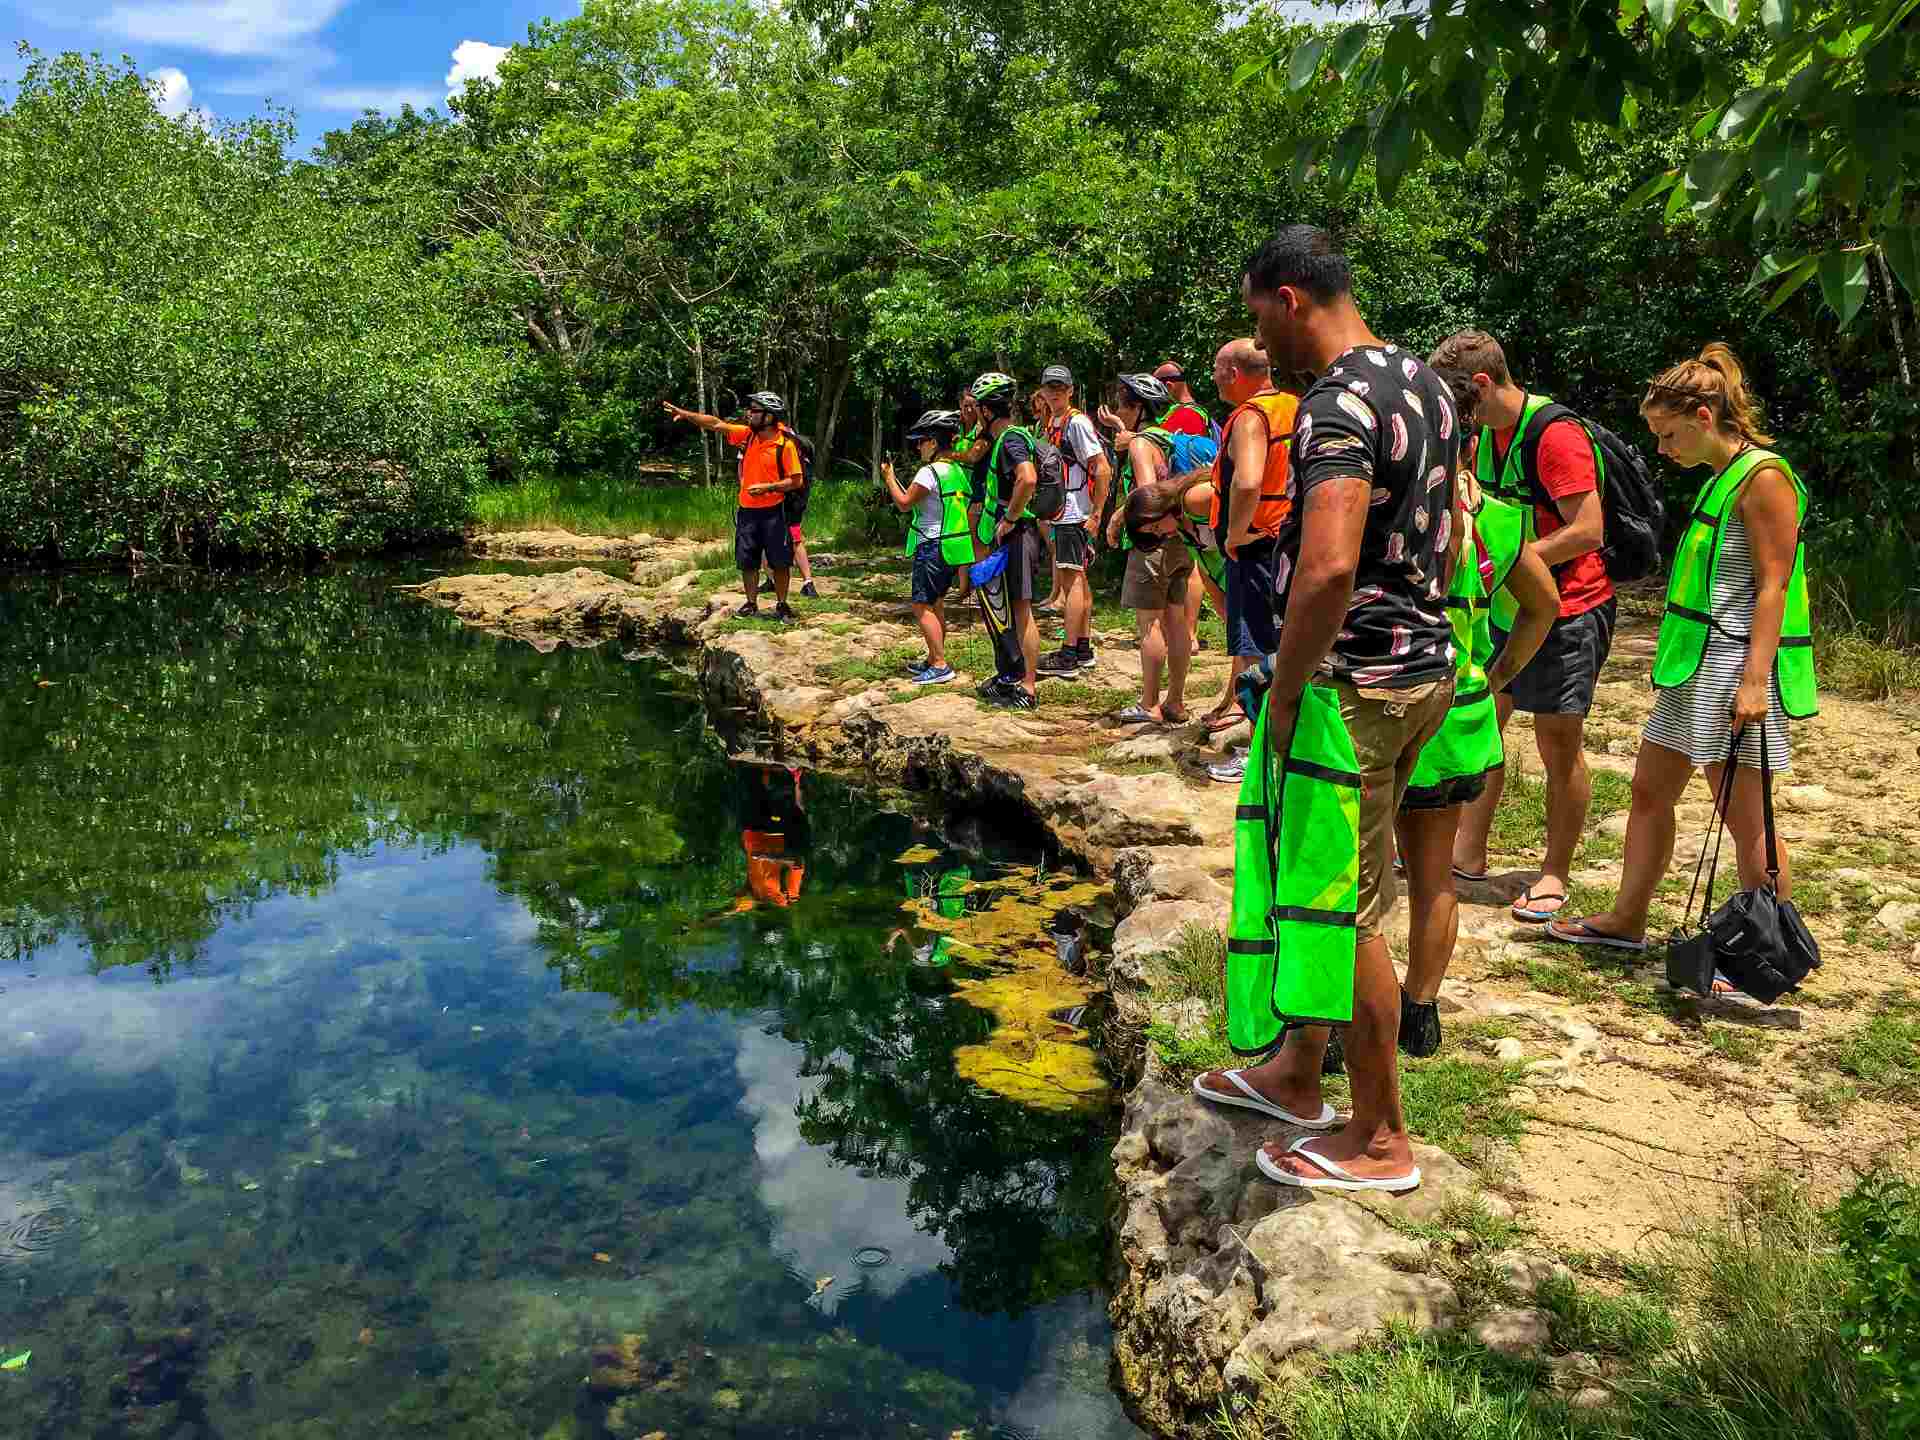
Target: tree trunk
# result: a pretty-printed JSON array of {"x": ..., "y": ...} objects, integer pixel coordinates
[
  {"x": 879, "y": 400},
  {"x": 832, "y": 394},
  {"x": 700, "y": 398},
  {"x": 1893, "y": 318}
]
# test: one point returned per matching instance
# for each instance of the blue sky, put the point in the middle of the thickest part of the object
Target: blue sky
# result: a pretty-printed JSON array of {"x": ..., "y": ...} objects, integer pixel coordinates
[{"x": 327, "y": 60}]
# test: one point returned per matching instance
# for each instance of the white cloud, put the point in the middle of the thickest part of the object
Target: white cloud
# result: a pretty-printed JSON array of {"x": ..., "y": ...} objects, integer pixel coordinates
[
  {"x": 176, "y": 91},
  {"x": 473, "y": 60},
  {"x": 372, "y": 97},
  {"x": 224, "y": 27}
]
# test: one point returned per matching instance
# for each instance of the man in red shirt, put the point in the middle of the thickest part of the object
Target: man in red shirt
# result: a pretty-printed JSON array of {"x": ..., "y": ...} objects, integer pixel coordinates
[
  {"x": 1186, "y": 417},
  {"x": 1550, "y": 467}
]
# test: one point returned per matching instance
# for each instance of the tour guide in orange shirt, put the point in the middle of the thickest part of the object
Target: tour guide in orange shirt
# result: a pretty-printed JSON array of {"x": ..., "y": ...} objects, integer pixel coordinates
[{"x": 769, "y": 468}]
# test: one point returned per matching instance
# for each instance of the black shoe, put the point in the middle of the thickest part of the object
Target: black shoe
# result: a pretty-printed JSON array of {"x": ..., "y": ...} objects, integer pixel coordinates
[
  {"x": 1083, "y": 656},
  {"x": 783, "y": 612},
  {"x": 989, "y": 687},
  {"x": 748, "y": 611},
  {"x": 1334, "y": 1062},
  {"x": 1012, "y": 697},
  {"x": 810, "y": 591},
  {"x": 1061, "y": 662},
  {"x": 1419, "y": 1027}
]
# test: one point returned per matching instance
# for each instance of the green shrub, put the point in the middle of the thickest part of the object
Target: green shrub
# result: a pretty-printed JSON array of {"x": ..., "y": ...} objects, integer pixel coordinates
[{"x": 1879, "y": 1230}]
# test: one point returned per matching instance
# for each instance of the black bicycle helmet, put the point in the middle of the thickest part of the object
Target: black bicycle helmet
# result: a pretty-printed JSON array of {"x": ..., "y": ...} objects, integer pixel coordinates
[
  {"x": 992, "y": 385},
  {"x": 1148, "y": 391},
  {"x": 935, "y": 425},
  {"x": 768, "y": 401}
]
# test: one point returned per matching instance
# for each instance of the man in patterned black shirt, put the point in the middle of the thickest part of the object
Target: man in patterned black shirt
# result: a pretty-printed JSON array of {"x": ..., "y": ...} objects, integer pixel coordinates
[{"x": 1364, "y": 569}]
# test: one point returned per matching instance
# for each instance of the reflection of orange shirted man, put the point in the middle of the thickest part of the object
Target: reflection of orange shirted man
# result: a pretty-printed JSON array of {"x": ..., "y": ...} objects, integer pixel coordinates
[{"x": 775, "y": 834}]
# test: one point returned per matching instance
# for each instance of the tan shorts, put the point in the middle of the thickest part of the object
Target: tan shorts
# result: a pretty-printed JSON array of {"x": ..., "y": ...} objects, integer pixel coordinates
[
  {"x": 1387, "y": 727},
  {"x": 1154, "y": 576}
]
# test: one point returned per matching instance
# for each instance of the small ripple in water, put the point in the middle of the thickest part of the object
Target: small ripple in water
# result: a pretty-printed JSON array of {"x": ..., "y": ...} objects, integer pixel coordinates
[{"x": 37, "y": 1232}]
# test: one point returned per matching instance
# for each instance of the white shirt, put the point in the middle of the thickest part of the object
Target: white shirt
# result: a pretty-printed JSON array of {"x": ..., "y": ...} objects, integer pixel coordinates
[
  {"x": 1079, "y": 443},
  {"x": 929, "y": 511}
]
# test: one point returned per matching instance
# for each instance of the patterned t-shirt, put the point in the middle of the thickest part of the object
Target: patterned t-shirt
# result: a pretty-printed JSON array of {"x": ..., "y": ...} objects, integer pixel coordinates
[{"x": 1380, "y": 415}]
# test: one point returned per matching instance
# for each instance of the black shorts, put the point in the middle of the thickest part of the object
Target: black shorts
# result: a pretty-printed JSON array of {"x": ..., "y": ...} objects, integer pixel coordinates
[
  {"x": 932, "y": 576},
  {"x": 1250, "y": 601},
  {"x": 1023, "y": 560},
  {"x": 1560, "y": 680},
  {"x": 1070, "y": 548},
  {"x": 761, "y": 537},
  {"x": 1461, "y": 790}
]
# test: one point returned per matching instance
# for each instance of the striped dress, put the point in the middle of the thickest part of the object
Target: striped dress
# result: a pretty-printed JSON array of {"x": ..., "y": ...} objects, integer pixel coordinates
[{"x": 1696, "y": 718}]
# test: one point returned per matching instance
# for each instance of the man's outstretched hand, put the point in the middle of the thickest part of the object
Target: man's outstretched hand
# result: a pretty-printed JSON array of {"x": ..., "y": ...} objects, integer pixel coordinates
[{"x": 675, "y": 411}]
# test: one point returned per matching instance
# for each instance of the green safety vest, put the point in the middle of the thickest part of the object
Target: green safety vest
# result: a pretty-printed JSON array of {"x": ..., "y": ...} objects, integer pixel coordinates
[
  {"x": 1468, "y": 741},
  {"x": 956, "y": 541},
  {"x": 1212, "y": 563},
  {"x": 1510, "y": 485},
  {"x": 1696, "y": 565},
  {"x": 990, "y": 512},
  {"x": 1162, "y": 438},
  {"x": 1292, "y": 936}
]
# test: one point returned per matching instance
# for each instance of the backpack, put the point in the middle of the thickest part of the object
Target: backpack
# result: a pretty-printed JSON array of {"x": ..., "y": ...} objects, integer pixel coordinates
[
  {"x": 1050, "y": 495},
  {"x": 1634, "y": 514},
  {"x": 796, "y": 500},
  {"x": 1185, "y": 453}
]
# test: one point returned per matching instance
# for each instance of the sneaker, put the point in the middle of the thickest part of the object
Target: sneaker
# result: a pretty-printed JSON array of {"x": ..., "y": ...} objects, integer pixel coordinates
[
  {"x": 1230, "y": 771},
  {"x": 914, "y": 667},
  {"x": 1084, "y": 656},
  {"x": 1060, "y": 662},
  {"x": 936, "y": 675},
  {"x": 783, "y": 612},
  {"x": 990, "y": 687},
  {"x": 810, "y": 590},
  {"x": 1013, "y": 697},
  {"x": 748, "y": 611},
  {"x": 1419, "y": 1027}
]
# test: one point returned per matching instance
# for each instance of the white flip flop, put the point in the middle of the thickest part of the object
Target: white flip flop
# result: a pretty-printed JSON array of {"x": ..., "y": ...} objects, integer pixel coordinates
[
  {"x": 1336, "y": 1177},
  {"x": 1251, "y": 1099}
]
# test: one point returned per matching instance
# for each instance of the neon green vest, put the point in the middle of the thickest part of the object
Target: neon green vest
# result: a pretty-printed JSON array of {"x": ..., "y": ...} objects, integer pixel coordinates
[
  {"x": 956, "y": 541},
  {"x": 1212, "y": 563},
  {"x": 1696, "y": 565},
  {"x": 990, "y": 512},
  {"x": 1468, "y": 741},
  {"x": 1292, "y": 936},
  {"x": 1510, "y": 485},
  {"x": 1163, "y": 439}
]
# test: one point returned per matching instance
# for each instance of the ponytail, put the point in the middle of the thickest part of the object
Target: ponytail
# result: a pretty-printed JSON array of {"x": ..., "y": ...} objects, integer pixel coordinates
[{"x": 1717, "y": 380}]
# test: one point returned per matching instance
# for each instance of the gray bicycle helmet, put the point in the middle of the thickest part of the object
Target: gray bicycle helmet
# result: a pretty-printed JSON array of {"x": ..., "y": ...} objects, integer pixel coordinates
[
  {"x": 1148, "y": 391},
  {"x": 935, "y": 425},
  {"x": 768, "y": 401},
  {"x": 992, "y": 385}
]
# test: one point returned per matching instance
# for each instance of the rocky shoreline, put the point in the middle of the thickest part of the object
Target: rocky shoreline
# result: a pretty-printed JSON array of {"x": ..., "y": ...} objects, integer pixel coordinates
[{"x": 1221, "y": 1279}]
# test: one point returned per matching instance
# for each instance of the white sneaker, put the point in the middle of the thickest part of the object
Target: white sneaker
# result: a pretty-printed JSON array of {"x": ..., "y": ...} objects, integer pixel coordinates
[{"x": 1230, "y": 771}]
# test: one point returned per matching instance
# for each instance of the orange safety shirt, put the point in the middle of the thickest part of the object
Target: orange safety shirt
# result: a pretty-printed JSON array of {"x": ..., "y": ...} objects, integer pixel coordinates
[{"x": 767, "y": 460}]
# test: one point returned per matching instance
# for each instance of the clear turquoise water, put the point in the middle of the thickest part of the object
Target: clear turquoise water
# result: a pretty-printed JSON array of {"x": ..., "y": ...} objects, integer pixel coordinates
[{"x": 384, "y": 1052}]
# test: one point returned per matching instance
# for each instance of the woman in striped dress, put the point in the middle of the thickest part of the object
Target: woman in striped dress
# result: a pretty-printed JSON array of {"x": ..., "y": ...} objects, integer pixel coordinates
[{"x": 1741, "y": 556}]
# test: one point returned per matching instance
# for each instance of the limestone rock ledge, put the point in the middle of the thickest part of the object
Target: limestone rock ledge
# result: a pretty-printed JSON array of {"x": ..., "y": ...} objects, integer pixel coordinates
[{"x": 1222, "y": 1278}]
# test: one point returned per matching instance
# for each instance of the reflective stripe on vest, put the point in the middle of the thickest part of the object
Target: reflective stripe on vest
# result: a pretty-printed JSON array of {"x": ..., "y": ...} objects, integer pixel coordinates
[
  {"x": 1271, "y": 513},
  {"x": 1696, "y": 566},
  {"x": 1292, "y": 934}
]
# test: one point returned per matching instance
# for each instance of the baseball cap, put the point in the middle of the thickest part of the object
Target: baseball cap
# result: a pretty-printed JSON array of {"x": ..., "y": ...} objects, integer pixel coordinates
[
  {"x": 1056, "y": 375},
  {"x": 1169, "y": 370}
]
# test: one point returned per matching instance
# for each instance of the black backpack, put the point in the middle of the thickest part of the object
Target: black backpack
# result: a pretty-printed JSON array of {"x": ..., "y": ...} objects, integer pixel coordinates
[
  {"x": 1050, "y": 495},
  {"x": 1634, "y": 513},
  {"x": 796, "y": 500}
]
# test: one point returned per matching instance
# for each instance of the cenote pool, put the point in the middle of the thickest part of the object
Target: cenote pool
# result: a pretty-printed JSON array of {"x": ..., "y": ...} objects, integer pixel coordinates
[{"x": 406, "y": 1033}]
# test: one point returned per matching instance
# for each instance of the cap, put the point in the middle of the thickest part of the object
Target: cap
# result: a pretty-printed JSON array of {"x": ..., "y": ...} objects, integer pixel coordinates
[
  {"x": 1169, "y": 370},
  {"x": 1056, "y": 375}
]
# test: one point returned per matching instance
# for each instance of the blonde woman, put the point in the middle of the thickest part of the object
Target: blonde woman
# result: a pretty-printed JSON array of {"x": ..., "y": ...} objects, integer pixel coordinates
[{"x": 1735, "y": 654}]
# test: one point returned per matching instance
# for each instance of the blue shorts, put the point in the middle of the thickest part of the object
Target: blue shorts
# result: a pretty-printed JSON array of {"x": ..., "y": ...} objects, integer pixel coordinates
[
  {"x": 932, "y": 576},
  {"x": 1250, "y": 601}
]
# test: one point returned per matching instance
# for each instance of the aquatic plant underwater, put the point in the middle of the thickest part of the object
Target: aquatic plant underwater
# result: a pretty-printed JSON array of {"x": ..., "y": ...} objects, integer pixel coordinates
[{"x": 396, "y": 1039}]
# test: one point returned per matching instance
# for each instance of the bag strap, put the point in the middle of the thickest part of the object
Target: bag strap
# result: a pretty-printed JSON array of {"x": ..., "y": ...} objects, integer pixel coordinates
[
  {"x": 1766, "y": 806},
  {"x": 1717, "y": 833}
]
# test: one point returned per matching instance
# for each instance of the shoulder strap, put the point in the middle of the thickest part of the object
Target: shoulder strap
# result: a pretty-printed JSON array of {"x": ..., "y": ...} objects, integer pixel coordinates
[{"x": 1536, "y": 431}]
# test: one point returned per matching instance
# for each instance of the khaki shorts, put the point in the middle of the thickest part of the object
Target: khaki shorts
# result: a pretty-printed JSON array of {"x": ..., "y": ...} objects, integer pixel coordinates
[
  {"x": 1387, "y": 727},
  {"x": 1154, "y": 576}
]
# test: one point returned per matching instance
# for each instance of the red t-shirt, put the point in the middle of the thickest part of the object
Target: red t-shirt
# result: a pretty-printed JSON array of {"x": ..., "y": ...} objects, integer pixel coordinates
[
  {"x": 1185, "y": 418},
  {"x": 1566, "y": 469}
]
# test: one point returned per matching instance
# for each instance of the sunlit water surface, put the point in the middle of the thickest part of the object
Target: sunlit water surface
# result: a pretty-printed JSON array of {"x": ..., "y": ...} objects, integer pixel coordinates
[{"x": 406, "y": 1033}]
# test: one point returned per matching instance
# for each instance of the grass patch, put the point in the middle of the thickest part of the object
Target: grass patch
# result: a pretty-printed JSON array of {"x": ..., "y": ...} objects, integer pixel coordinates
[
  {"x": 1628, "y": 1326},
  {"x": 888, "y": 665},
  {"x": 1612, "y": 793},
  {"x": 1461, "y": 1105},
  {"x": 1550, "y": 977},
  {"x": 1882, "y": 1057},
  {"x": 1863, "y": 666},
  {"x": 839, "y": 514},
  {"x": 1741, "y": 1044},
  {"x": 1194, "y": 968},
  {"x": 1521, "y": 821}
]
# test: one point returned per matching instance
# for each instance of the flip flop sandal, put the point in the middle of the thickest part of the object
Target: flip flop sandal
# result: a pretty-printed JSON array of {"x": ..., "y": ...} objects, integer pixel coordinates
[
  {"x": 1531, "y": 916},
  {"x": 1251, "y": 1099},
  {"x": 1225, "y": 720},
  {"x": 1336, "y": 1176},
  {"x": 1182, "y": 718},
  {"x": 1135, "y": 715},
  {"x": 1581, "y": 933},
  {"x": 1470, "y": 877}
]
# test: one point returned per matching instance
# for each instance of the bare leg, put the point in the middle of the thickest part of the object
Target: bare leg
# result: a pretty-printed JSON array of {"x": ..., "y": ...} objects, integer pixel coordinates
[
  {"x": 800, "y": 559},
  {"x": 750, "y": 582},
  {"x": 1147, "y": 624},
  {"x": 780, "y": 580},
  {"x": 1029, "y": 635},
  {"x": 1426, "y": 845},
  {"x": 1179, "y": 653},
  {"x": 1660, "y": 778},
  {"x": 1560, "y": 740},
  {"x": 1078, "y": 605},
  {"x": 1747, "y": 821},
  {"x": 933, "y": 629},
  {"x": 1476, "y": 819}
]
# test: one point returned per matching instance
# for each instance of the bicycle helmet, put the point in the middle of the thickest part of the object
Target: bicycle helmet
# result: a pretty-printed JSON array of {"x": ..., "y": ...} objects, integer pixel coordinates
[
  {"x": 935, "y": 425},
  {"x": 992, "y": 385},
  {"x": 768, "y": 401},
  {"x": 1148, "y": 391}
]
